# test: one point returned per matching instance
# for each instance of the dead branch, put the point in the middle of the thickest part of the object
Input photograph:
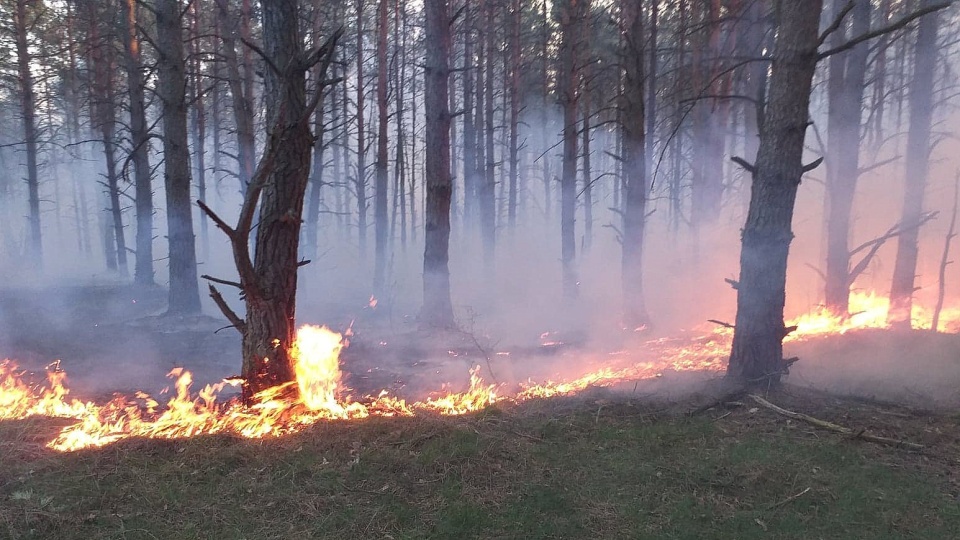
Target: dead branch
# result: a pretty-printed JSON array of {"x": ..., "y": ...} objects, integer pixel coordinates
[
  {"x": 733, "y": 283},
  {"x": 878, "y": 242},
  {"x": 877, "y": 165},
  {"x": 216, "y": 219},
  {"x": 721, "y": 323},
  {"x": 222, "y": 281},
  {"x": 817, "y": 270},
  {"x": 812, "y": 165},
  {"x": 944, "y": 261},
  {"x": 231, "y": 315},
  {"x": 744, "y": 163},
  {"x": 834, "y": 427},
  {"x": 837, "y": 22},
  {"x": 892, "y": 27}
]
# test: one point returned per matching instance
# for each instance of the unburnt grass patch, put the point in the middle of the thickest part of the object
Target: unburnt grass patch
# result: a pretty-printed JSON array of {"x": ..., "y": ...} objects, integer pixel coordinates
[{"x": 601, "y": 466}]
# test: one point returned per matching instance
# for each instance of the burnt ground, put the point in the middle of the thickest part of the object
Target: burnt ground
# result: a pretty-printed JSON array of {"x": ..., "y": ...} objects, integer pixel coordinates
[{"x": 112, "y": 338}]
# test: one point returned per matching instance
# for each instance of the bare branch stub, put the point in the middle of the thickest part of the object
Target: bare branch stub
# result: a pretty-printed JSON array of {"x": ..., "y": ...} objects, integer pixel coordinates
[{"x": 231, "y": 315}]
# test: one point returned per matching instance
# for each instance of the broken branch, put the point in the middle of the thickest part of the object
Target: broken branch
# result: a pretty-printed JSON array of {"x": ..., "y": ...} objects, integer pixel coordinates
[
  {"x": 834, "y": 427},
  {"x": 231, "y": 316}
]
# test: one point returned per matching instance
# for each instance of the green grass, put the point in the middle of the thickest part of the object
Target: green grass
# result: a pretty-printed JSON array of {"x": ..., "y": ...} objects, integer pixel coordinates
[{"x": 540, "y": 472}]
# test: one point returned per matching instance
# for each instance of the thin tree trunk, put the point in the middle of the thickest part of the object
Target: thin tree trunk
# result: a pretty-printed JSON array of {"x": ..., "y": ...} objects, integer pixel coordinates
[
  {"x": 140, "y": 136},
  {"x": 242, "y": 99},
  {"x": 361, "y": 178},
  {"x": 845, "y": 88},
  {"x": 515, "y": 100},
  {"x": 382, "y": 223},
  {"x": 757, "y": 351},
  {"x": 488, "y": 202},
  {"x": 28, "y": 113},
  {"x": 633, "y": 126},
  {"x": 200, "y": 123},
  {"x": 572, "y": 13},
  {"x": 437, "y": 307},
  {"x": 184, "y": 294}
]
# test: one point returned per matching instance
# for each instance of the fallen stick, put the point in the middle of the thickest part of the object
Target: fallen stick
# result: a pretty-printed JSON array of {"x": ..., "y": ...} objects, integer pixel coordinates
[
  {"x": 788, "y": 499},
  {"x": 834, "y": 427}
]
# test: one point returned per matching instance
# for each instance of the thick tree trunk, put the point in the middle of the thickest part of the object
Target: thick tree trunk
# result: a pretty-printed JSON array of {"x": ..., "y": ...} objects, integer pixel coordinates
[
  {"x": 635, "y": 184},
  {"x": 437, "y": 307},
  {"x": 184, "y": 294},
  {"x": 380, "y": 189},
  {"x": 28, "y": 113},
  {"x": 469, "y": 133},
  {"x": 917, "y": 169},
  {"x": 140, "y": 137},
  {"x": 845, "y": 89},
  {"x": 757, "y": 352}
]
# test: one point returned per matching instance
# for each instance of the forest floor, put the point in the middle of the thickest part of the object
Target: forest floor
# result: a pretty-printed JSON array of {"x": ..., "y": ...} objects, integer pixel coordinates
[
  {"x": 596, "y": 466},
  {"x": 623, "y": 462}
]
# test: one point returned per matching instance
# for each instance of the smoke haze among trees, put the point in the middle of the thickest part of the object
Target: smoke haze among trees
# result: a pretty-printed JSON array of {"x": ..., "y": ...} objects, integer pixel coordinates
[{"x": 571, "y": 166}]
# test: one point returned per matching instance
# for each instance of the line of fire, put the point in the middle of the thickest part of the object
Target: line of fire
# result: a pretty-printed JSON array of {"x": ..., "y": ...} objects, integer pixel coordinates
[{"x": 259, "y": 219}]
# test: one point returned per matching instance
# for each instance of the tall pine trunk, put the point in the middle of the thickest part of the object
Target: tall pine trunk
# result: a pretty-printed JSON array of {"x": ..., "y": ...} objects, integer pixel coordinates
[
  {"x": 845, "y": 89},
  {"x": 757, "y": 352},
  {"x": 28, "y": 113},
  {"x": 184, "y": 293},
  {"x": 380, "y": 188},
  {"x": 437, "y": 307},
  {"x": 140, "y": 137},
  {"x": 917, "y": 169}
]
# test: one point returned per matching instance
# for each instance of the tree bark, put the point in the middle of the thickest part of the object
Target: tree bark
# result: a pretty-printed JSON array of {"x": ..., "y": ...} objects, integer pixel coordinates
[
  {"x": 757, "y": 351},
  {"x": 845, "y": 88},
  {"x": 140, "y": 137},
  {"x": 635, "y": 184},
  {"x": 917, "y": 169},
  {"x": 382, "y": 223},
  {"x": 488, "y": 202},
  {"x": 571, "y": 14},
  {"x": 360, "y": 182},
  {"x": 437, "y": 307},
  {"x": 28, "y": 113},
  {"x": 184, "y": 293},
  {"x": 242, "y": 99}
]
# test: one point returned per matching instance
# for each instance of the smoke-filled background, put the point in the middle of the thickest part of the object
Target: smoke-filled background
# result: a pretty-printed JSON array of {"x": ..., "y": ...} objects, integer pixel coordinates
[{"x": 510, "y": 91}]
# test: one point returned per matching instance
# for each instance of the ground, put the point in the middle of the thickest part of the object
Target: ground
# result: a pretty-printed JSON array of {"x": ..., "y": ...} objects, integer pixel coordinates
[
  {"x": 600, "y": 466},
  {"x": 671, "y": 457}
]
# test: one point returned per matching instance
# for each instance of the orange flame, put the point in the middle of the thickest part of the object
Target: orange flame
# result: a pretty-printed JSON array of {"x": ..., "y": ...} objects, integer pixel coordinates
[{"x": 322, "y": 396}]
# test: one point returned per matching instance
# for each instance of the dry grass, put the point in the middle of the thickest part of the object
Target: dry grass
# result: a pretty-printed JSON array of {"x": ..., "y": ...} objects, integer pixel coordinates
[{"x": 597, "y": 467}]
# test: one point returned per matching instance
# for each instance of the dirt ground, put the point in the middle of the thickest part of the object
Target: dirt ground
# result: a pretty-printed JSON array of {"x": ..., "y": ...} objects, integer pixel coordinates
[{"x": 113, "y": 338}]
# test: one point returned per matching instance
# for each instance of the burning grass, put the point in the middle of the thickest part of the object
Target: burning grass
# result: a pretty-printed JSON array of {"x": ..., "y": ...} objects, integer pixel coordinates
[
  {"x": 598, "y": 466},
  {"x": 318, "y": 394}
]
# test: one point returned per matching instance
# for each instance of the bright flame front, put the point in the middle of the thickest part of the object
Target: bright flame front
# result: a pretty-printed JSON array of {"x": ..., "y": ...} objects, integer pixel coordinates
[{"x": 322, "y": 396}]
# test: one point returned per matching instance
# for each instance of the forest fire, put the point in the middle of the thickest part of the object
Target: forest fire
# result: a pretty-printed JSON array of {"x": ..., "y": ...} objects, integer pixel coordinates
[{"x": 321, "y": 394}]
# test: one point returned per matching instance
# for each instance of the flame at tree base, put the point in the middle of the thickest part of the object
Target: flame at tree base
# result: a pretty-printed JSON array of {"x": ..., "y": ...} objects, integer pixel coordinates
[{"x": 318, "y": 392}]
